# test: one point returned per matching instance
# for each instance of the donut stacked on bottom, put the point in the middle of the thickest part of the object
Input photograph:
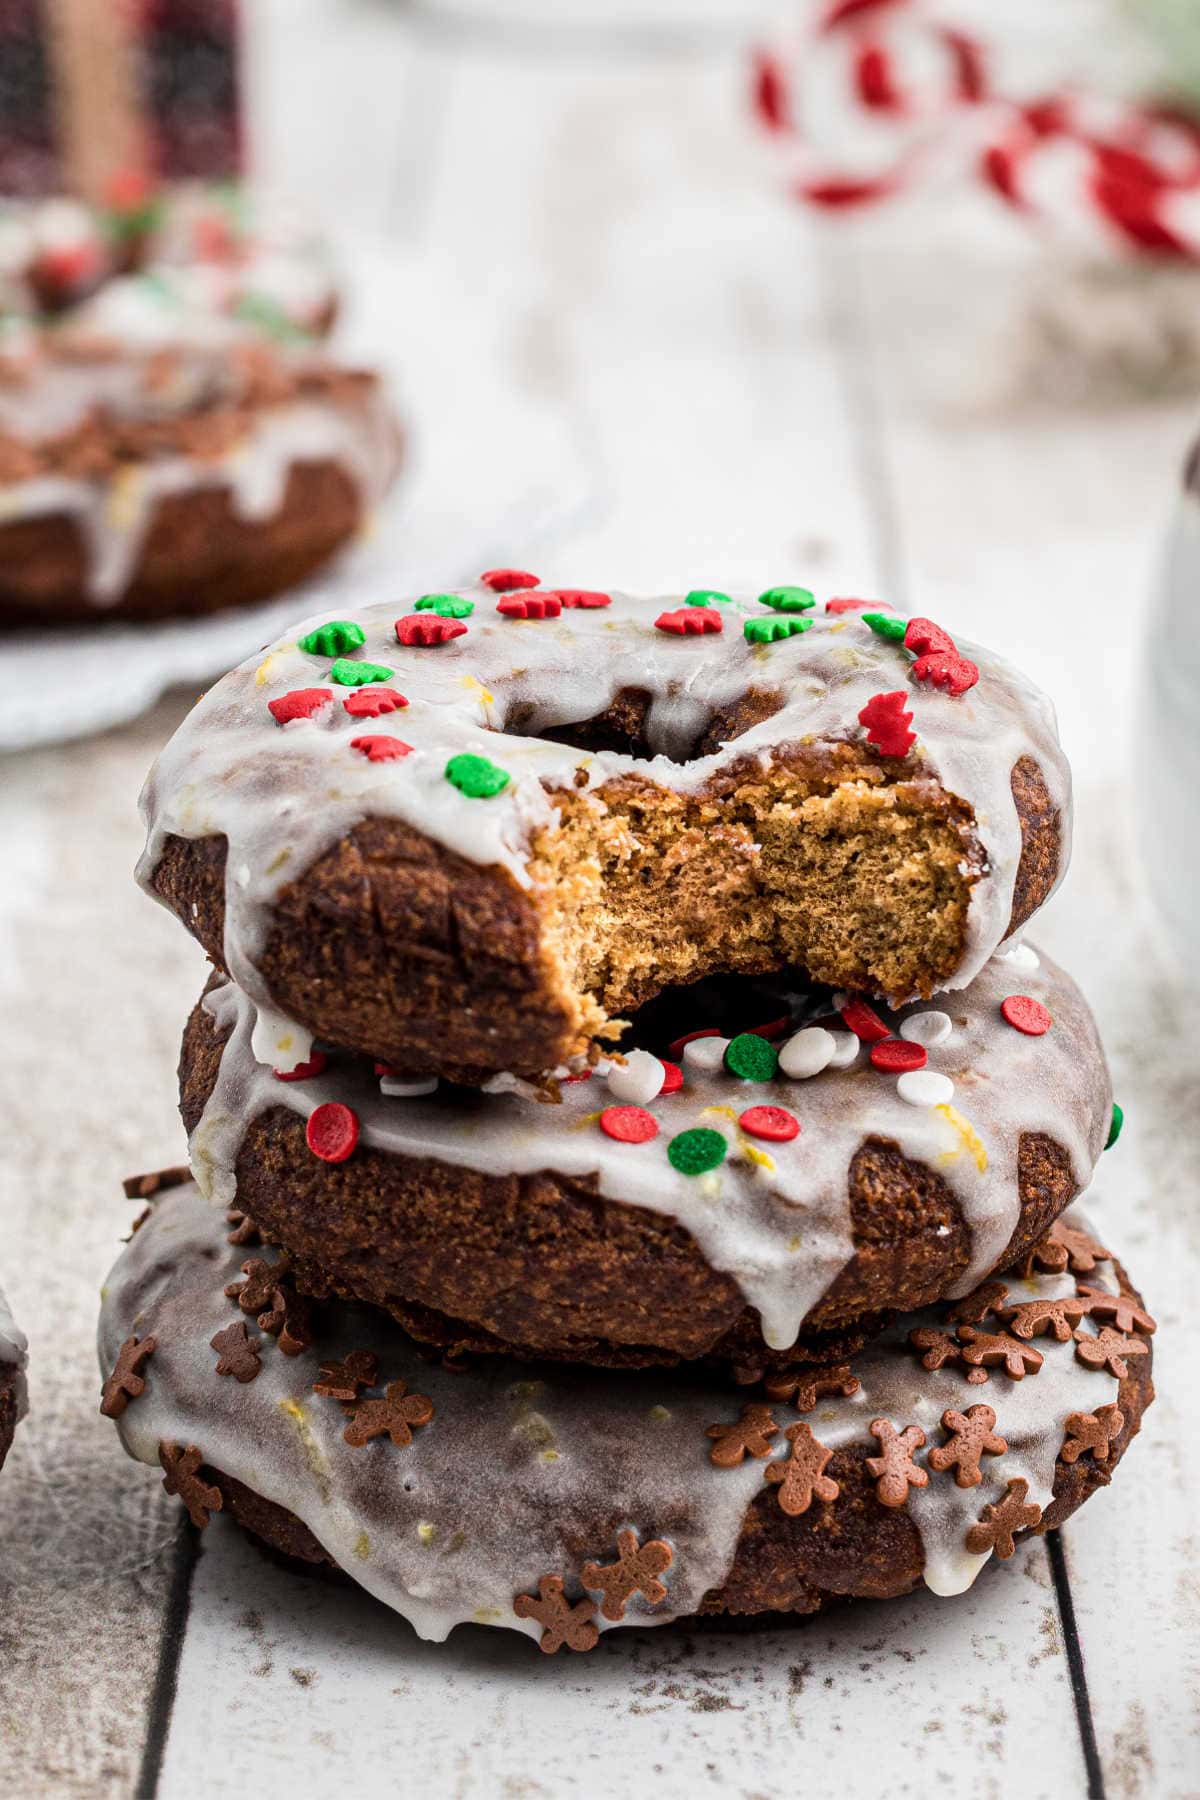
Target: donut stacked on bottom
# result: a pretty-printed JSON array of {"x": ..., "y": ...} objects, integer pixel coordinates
[
  {"x": 14, "y": 1347},
  {"x": 632, "y": 1154}
]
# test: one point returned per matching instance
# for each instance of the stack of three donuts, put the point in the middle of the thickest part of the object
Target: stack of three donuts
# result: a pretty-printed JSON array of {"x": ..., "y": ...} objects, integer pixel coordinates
[{"x": 641, "y": 1037}]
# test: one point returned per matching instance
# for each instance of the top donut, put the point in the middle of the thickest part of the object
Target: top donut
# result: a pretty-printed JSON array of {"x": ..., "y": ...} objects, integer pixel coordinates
[{"x": 466, "y": 833}]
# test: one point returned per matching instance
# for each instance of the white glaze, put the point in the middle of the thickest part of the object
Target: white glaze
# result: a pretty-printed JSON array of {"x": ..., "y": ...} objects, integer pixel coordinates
[
  {"x": 283, "y": 795},
  {"x": 526, "y": 1471},
  {"x": 774, "y": 1216}
]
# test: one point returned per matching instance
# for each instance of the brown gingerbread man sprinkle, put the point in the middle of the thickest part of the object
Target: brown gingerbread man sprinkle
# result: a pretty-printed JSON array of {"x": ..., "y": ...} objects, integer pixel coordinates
[
  {"x": 259, "y": 1292},
  {"x": 393, "y": 1416},
  {"x": 295, "y": 1327},
  {"x": 937, "y": 1347},
  {"x": 181, "y": 1478},
  {"x": 894, "y": 1468},
  {"x": 1033, "y": 1318},
  {"x": 238, "y": 1353},
  {"x": 805, "y": 1390},
  {"x": 635, "y": 1571},
  {"x": 142, "y": 1187},
  {"x": 562, "y": 1622},
  {"x": 1092, "y": 1431},
  {"x": 1109, "y": 1350},
  {"x": 1000, "y": 1519},
  {"x": 1064, "y": 1247},
  {"x": 1124, "y": 1311},
  {"x": 126, "y": 1382},
  {"x": 242, "y": 1229},
  {"x": 345, "y": 1380},
  {"x": 972, "y": 1435},
  {"x": 989, "y": 1349},
  {"x": 975, "y": 1307},
  {"x": 799, "y": 1476},
  {"x": 749, "y": 1435}
]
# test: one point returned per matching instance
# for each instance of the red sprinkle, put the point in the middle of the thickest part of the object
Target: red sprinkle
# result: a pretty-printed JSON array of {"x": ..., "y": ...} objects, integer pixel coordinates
[
  {"x": 332, "y": 1132},
  {"x": 301, "y": 703},
  {"x": 690, "y": 621},
  {"x": 305, "y": 1071},
  {"x": 864, "y": 1022},
  {"x": 676, "y": 1048},
  {"x": 530, "y": 606},
  {"x": 385, "y": 1069},
  {"x": 583, "y": 1075},
  {"x": 427, "y": 628},
  {"x": 775, "y": 1123},
  {"x": 371, "y": 702},
  {"x": 629, "y": 1124},
  {"x": 581, "y": 597},
  {"x": 887, "y": 723},
  {"x": 938, "y": 660},
  {"x": 672, "y": 1077},
  {"x": 845, "y": 606},
  {"x": 377, "y": 748},
  {"x": 503, "y": 581},
  {"x": 776, "y": 1028},
  {"x": 1026, "y": 1014},
  {"x": 895, "y": 1056}
]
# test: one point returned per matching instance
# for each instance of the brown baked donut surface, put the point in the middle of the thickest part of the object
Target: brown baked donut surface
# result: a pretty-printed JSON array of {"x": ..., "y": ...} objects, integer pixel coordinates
[{"x": 9, "y": 1407}]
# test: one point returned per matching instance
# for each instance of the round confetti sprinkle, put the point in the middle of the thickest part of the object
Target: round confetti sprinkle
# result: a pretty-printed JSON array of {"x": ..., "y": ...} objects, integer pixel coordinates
[
  {"x": 1022, "y": 956},
  {"x": 378, "y": 748},
  {"x": 704, "y": 1055},
  {"x": 504, "y": 581},
  {"x": 476, "y": 777},
  {"x": 774, "y": 1123},
  {"x": 695, "y": 1152},
  {"x": 1027, "y": 1015},
  {"x": 690, "y": 621},
  {"x": 845, "y": 1049},
  {"x": 807, "y": 1053},
  {"x": 787, "y": 599},
  {"x": 373, "y": 702},
  {"x": 638, "y": 1079},
  {"x": 928, "y": 1028},
  {"x": 677, "y": 1047},
  {"x": 1114, "y": 1130},
  {"x": 895, "y": 1057},
  {"x": 629, "y": 1124},
  {"x": 424, "y": 631},
  {"x": 587, "y": 598},
  {"x": 305, "y": 1071},
  {"x": 864, "y": 1021},
  {"x": 301, "y": 703},
  {"x": 333, "y": 639},
  {"x": 707, "y": 597},
  {"x": 408, "y": 1087},
  {"x": 885, "y": 627},
  {"x": 357, "y": 674},
  {"x": 672, "y": 1078},
  {"x": 925, "y": 1087},
  {"x": 529, "y": 606},
  {"x": 446, "y": 606},
  {"x": 751, "y": 1058},
  {"x": 773, "y": 631},
  {"x": 332, "y": 1132}
]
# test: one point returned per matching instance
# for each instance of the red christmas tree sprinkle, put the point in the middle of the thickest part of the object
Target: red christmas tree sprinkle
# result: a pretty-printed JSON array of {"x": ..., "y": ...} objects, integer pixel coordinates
[
  {"x": 895, "y": 1056},
  {"x": 887, "y": 723},
  {"x": 583, "y": 597},
  {"x": 378, "y": 748},
  {"x": 864, "y": 1022},
  {"x": 773, "y": 1123},
  {"x": 372, "y": 702},
  {"x": 848, "y": 606},
  {"x": 1026, "y": 1015},
  {"x": 425, "y": 630},
  {"x": 332, "y": 1132},
  {"x": 530, "y": 606},
  {"x": 504, "y": 581},
  {"x": 629, "y": 1124},
  {"x": 301, "y": 703},
  {"x": 690, "y": 621},
  {"x": 938, "y": 660},
  {"x": 305, "y": 1071}
]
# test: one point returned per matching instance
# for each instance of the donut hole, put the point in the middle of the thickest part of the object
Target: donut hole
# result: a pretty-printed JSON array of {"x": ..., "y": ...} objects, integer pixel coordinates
[
  {"x": 636, "y": 723},
  {"x": 727, "y": 1004}
]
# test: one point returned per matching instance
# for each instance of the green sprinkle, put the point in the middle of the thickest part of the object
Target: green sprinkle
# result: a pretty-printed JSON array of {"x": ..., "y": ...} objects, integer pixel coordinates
[
  {"x": 707, "y": 597},
  {"x": 268, "y": 315},
  {"x": 883, "y": 625},
  {"x": 358, "y": 674},
  {"x": 770, "y": 631},
  {"x": 476, "y": 777},
  {"x": 1114, "y": 1130},
  {"x": 751, "y": 1057},
  {"x": 787, "y": 599},
  {"x": 446, "y": 606},
  {"x": 333, "y": 639},
  {"x": 695, "y": 1152}
]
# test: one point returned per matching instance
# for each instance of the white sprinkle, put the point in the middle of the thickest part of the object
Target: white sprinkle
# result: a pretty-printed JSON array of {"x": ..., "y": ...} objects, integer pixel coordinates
[
  {"x": 807, "y": 1053},
  {"x": 401, "y": 1087},
  {"x": 1022, "y": 956},
  {"x": 638, "y": 1080},
  {"x": 924, "y": 1087},
  {"x": 928, "y": 1028},
  {"x": 705, "y": 1055},
  {"x": 845, "y": 1048}
]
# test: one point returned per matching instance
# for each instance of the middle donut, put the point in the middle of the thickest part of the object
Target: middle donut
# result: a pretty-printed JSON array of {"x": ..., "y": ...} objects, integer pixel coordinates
[{"x": 754, "y": 1186}]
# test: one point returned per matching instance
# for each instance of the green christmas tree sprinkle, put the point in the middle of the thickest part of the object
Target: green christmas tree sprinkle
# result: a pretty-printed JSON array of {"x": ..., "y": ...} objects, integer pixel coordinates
[
  {"x": 446, "y": 606},
  {"x": 334, "y": 638},
  {"x": 476, "y": 777},
  {"x": 787, "y": 599},
  {"x": 358, "y": 674}
]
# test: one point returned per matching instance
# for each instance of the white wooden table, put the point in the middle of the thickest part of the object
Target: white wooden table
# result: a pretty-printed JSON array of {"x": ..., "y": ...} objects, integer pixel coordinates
[{"x": 752, "y": 401}]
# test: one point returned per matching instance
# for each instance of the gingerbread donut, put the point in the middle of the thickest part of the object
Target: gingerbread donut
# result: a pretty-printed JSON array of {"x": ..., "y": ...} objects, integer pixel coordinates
[
  {"x": 561, "y": 1503},
  {"x": 14, "y": 1347},
  {"x": 760, "y": 1198},
  {"x": 465, "y": 834},
  {"x": 173, "y": 438}
]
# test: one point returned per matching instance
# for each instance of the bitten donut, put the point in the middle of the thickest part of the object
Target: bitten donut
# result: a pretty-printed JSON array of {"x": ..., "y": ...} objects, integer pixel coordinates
[
  {"x": 14, "y": 1347},
  {"x": 562, "y": 1503},
  {"x": 173, "y": 437},
  {"x": 465, "y": 834},
  {"x": 727, "y": 1194}
]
